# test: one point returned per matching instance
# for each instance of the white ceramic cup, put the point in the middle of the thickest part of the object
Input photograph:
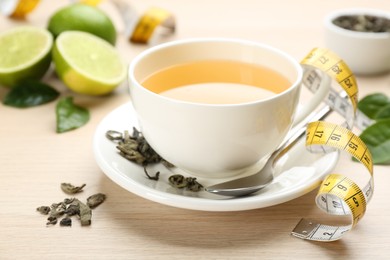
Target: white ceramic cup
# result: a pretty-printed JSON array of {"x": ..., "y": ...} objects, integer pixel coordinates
[
  {"x": 214, "y": 140},
  {"x": 366, "y": 53}
]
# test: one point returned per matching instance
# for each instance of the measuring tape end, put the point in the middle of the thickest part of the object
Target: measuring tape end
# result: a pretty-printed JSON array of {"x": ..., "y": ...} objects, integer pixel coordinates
[{"x": 304, "y": 228}]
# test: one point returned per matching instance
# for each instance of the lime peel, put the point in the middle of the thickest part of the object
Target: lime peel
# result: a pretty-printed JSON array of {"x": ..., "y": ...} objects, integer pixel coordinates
[{"x": 83, "y": 17}]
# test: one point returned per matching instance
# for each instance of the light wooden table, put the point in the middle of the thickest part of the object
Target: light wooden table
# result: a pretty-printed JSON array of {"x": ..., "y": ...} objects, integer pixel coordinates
[{"x": 34, "y": 160}]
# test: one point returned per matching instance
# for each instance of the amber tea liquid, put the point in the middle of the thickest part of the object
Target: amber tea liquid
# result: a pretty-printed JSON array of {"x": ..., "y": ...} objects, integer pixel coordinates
[{"x": 217, "y": 82}]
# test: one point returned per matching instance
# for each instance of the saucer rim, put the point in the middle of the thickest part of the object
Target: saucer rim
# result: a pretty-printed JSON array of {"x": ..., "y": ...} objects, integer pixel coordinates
[{"x": 195, "y": 203}]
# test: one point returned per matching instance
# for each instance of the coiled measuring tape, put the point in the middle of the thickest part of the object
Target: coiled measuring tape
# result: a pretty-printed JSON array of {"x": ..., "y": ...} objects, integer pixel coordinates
[
  {"x": 337, "y": 195},
  {"x": 142, "y": 28}
]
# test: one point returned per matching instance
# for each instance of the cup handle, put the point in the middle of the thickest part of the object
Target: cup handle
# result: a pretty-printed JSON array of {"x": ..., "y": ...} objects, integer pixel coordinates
[{"x": 317, "y": 98}]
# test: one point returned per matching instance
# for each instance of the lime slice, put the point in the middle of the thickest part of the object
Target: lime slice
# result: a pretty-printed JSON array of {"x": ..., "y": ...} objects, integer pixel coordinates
[
  {"x": 24, "y": 54},
  {"x": 87, "y": 64}
]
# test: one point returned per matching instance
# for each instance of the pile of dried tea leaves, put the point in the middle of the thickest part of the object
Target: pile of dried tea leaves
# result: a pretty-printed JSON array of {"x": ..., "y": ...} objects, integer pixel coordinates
[
  {"x": 363, "y": 23},
  {"x": 135, "y": 148},
  {"x": 72, "y": 207}
]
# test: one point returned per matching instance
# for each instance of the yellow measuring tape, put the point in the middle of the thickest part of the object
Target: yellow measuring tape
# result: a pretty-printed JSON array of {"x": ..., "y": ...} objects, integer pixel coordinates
[
  {"x": 149, "y": 22},
  {"x": 20, "y": 8},
  {"x": 337, "y": 195}
]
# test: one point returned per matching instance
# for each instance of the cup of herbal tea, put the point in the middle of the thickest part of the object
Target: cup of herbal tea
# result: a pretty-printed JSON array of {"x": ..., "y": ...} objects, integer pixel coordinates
[
  {"x": 214, "y": 107},
  {"x": 361, "y": 37}
]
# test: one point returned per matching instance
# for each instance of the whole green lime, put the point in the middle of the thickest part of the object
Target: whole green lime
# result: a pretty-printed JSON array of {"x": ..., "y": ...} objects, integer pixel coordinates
[{"x": 82, "y": 17}]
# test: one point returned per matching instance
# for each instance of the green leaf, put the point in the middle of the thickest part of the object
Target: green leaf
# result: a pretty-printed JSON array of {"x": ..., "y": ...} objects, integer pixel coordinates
[
  {"x": 371, "y": 104},
  {"x": 383, "y": 113},
  {"x": 69, "y": 115},
  {"x": 377, "y": 139},
  {"x": 381, "y": 153},
  {"x": 29, "y": 94}
]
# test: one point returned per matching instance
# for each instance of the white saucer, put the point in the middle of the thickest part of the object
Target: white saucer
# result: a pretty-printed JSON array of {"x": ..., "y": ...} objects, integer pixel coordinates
[{"x": 299, "y": 173}]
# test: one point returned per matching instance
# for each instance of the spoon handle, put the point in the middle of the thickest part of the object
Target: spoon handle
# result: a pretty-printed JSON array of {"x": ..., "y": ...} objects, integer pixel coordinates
[{"x": 295, "y": 136}]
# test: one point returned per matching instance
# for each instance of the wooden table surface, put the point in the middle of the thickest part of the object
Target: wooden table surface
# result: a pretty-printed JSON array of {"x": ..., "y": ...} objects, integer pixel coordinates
[{"x": 34, "y": 160}]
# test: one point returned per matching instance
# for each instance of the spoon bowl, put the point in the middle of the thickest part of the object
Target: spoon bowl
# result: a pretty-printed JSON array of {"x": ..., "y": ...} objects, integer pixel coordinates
[{"x": 253, "y": 183}]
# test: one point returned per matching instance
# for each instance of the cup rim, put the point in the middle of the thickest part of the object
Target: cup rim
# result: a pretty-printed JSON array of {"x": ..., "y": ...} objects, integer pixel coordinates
[
  {"x": 328, "y": 22},
  {"x": 295, "y": 84}
]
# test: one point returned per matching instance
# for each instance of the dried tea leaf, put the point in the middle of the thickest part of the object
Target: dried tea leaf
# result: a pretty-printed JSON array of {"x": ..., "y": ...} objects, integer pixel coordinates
[
  {"x": 73, "y": 209},
  {"x": 193, "y": 184},
  {"x": 43, "y": 210},
  {"x": 66, "y": 222},
  {"x": 51, "y": 220},
  {"x": 58, "y": 210},
  {"x": 71, "y": 189},
  {"x": 155, "y": 177},
  {"x": 85, "y": 214},
  {"x": 167, "y": 164},
  {"x": 178, "y": 181},
  {"x": 114, "y": 135},
  {"x": 129, "y": 153},
  {"x": 95, "y": 200},
  {"x": 68, "y": 201}
]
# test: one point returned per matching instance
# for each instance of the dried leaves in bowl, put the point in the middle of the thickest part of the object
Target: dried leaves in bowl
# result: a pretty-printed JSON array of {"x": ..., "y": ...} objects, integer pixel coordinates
[{"x": 363, "y": 23}]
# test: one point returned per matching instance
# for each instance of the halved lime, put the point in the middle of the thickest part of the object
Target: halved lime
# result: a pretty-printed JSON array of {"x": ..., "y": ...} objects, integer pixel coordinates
[
  {"x": 87, "y": 64},
  {"x": 24, "y": 54}
]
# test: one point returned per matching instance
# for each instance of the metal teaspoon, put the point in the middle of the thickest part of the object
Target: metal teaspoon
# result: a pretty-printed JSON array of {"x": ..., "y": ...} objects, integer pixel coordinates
[{"x": 250, "y": 184}]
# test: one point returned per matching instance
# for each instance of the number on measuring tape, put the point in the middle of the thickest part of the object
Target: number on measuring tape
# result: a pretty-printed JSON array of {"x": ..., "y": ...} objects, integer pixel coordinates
[{"x": 337, "y": 195}]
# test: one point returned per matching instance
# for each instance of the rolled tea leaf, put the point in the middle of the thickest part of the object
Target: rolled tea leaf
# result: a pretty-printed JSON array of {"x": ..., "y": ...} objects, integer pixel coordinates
[
  {"x": 178, "y": 181},
  {"x": 85, "y": 214},
  {"x": 150, "y": 177},
  {"x": 66, "y": 222},
  {"x": 95, "y": 200},
  {"x": 73, "y": 209},
  {"x": 193, "y": 184},
  {"x": 114, "y": 135},
  {"x": 71, "y": 189},
  {"x": 44, "y": 210},
  {"x": 51, "y": 220}
]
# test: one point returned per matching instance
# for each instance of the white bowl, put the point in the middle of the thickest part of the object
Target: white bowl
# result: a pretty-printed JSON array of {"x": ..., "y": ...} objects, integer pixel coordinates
[{"x": 366, "y": 53}]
